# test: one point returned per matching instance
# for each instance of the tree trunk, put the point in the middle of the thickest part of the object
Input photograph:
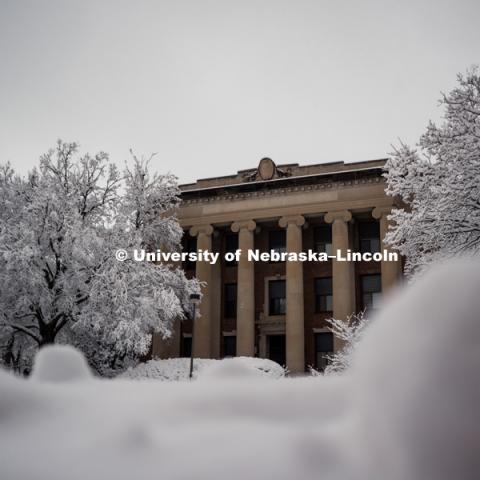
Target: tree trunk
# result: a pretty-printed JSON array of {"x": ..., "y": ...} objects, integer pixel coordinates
[{"x": 47, "y": 336}]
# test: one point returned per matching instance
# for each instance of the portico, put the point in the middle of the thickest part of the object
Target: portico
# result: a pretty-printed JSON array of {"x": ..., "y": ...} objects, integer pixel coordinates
[{"x": 293, "y": 209}]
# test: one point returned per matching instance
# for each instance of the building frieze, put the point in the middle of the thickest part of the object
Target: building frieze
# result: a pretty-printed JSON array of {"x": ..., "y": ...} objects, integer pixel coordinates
[{"x": 269, "y": 192}]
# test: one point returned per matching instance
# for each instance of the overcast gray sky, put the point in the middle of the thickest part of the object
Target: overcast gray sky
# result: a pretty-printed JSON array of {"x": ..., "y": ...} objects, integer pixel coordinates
[{"x": 213, "y": 86}]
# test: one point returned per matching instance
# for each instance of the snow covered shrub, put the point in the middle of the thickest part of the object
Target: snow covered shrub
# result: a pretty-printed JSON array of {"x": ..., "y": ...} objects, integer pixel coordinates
[
  {"x": 175, "y": 369},
  {"x": 439, "y": 183},
  {"x": 350, "y": 332},
  {"x": 59, "y": 231}
]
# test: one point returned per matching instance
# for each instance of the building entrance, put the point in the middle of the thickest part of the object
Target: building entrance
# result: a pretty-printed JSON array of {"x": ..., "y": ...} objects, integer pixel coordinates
[{"x": 277, "y": 348}]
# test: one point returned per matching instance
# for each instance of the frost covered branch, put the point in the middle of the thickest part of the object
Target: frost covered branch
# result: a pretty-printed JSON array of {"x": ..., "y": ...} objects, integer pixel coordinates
[
  {"x": 350, "y": 332},
  {"x": 438, "y": 183},
  {"x": 59, "y": 229}
]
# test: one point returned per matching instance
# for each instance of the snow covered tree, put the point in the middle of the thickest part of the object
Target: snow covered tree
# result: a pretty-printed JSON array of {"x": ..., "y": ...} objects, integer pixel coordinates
[
  {"x": 439, "y": 183},
  {"x": 59, "y": 231},
  {"x": 350, "y": 331}
]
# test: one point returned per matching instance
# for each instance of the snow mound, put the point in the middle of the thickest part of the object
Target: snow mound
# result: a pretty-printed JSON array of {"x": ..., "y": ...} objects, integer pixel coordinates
[
  {"x": 60, "y": 363},
  {"x": 406, "y": 410},
  {"x": 416, "y": 376},
  {"x": 175, "y": 369},
  {"x": 241, "y": 368}
]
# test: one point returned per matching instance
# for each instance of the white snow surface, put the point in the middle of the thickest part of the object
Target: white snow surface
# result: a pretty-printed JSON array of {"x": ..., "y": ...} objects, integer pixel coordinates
[
  {"x": 177, "y": 369},
  {"x": 408, "y": 409},
  {"x": 60, "y": 363}
]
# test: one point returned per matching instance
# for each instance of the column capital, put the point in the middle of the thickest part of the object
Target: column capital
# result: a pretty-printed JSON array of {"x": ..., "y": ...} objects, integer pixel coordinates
[
  {"x": 343, "y": 215},
  {"x": 297, "y": 220},
  {"x": 206, "y": 229},
  {"x": 380, "y": 211},
  {"x": 249, "y": 225}
]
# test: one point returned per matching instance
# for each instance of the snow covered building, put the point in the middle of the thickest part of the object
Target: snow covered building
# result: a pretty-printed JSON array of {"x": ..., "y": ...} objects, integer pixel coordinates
[{"x": 271, "y": 309}]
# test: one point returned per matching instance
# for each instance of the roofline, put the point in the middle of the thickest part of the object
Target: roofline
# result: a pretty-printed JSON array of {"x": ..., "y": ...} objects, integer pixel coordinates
[{"x": 283, "y": 179}]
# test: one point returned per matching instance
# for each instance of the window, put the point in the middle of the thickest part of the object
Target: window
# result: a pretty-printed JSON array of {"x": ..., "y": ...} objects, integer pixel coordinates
[
  {"x": 231, "y": 245},
  {"x": 369, "y": 235},
  {"x": 189, "y": 245},
  {"x": 371, "y": 291},
  {"x": 186, "y": 346},
  {"x": 322, "y": 238},
  {"x": 277, "y": 241},
  {"x": 323, "y": 295},
  {"x": 229, "y": 345},
  {"x": 276, "y": 297},
  {"x": 230, "y": 300},
  {"x": 323, "y": 349}
]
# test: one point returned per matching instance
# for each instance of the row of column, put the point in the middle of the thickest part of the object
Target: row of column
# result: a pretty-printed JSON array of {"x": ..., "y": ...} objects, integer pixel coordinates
[{"x": 342, "y": 282}]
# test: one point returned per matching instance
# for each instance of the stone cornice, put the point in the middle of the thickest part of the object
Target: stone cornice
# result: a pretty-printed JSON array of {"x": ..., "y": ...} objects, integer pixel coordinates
[
  {"x": 270, "y": 212},
  {"x": 199, "y": 199}
]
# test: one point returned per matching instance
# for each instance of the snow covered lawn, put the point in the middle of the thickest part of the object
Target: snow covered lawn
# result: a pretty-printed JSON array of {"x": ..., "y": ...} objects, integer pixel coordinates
[{"x": 407, "y": 410}]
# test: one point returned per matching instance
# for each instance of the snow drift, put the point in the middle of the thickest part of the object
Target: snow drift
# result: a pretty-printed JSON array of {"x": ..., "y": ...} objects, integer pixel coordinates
[
  {"x": 407, "y": 409},
  {"x": 178, "y": 369},
  {"x": 60, "y": 363}
]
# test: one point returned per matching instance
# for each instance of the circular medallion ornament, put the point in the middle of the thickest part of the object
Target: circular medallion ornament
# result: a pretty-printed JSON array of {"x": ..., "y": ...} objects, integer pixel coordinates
[{"x": 266, "y": 168}]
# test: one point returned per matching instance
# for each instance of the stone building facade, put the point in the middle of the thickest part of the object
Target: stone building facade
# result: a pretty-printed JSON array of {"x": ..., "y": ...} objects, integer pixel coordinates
[{"x": 278, "y": 310}]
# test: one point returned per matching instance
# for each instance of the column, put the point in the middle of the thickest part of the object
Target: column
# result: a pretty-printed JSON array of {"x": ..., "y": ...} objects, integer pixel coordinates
[
  {"x": 343, "y": 281},
  {"x": 294, "y": 326},
  {"x": 202, "y": 338},
  {"x": 391, "y": 270},
  {"x": 245, "y": 290},
  {"x": 215, "y": 308}
]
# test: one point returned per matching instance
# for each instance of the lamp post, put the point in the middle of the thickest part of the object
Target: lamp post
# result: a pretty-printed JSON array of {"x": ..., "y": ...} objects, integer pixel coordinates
[{"x": 194, "y": 301}]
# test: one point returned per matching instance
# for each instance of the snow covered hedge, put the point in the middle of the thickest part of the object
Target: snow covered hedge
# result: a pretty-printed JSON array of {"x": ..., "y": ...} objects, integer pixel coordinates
[
  {"x": 175, "y": 369},
  {"x": 407, "y": 409}
]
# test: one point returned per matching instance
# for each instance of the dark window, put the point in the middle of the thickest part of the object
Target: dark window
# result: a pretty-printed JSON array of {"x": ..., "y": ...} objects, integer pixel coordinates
[
  {"x": 229, "y": 345},
  {"x": 231, "y": 246},
  {"x": 277, "y": 348},
  {"x": 230, "y": 303},
  {"x": 371, "y": 291},
  {"x": 369, "y": 235},
  {"x": 277, "y": 241},
  {"x": 186, "y": 346},
  {"x": 189, "y": 245},
  {"x": 323, "y": 295},
  {"x": 323, "y": 349},
  {"x": 322, "y": 237},
  {"x": 276, "y": 297}
]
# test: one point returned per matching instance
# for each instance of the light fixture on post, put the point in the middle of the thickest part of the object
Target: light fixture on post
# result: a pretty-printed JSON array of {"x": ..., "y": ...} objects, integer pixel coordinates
[{"x": 194, "y": 301}]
